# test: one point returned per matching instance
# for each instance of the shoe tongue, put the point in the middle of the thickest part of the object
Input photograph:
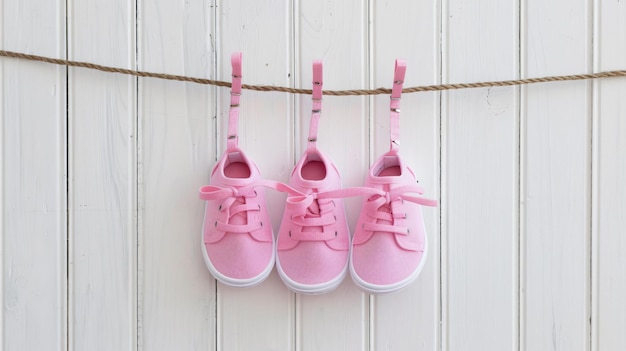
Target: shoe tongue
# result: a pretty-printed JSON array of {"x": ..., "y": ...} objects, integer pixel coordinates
[
  {"x": 387, "y": 209},
  {"x": 313, "y": 211},
  {"x": 309, "y": 184},
  {"x": 240, "y": 218},
  {"x": 237, "y": 182}
]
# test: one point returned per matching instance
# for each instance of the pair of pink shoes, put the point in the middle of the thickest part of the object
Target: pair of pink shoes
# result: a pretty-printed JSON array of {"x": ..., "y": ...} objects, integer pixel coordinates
[{"x": 313, "y": 252}]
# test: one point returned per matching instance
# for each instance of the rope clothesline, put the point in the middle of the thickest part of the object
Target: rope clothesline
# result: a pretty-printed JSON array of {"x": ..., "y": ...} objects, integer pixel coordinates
[{"x": 378, "y": 91}]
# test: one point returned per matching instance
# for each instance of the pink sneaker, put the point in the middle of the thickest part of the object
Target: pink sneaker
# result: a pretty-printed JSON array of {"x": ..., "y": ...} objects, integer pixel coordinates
[
  {"x": 237, "y": 238},
  {"x": 313, "y": 241},
  {"x": 389, "y": 246}
]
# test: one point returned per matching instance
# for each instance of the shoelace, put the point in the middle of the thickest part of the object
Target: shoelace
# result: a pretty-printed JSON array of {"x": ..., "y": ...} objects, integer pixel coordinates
[
  {"x": 312, "y": 213},
  {"x": 315, "y": 210},
  {"x": 235, "y": 204},
  {"x": 383, "y": 208},
  {"x": 308, "y": 210}
]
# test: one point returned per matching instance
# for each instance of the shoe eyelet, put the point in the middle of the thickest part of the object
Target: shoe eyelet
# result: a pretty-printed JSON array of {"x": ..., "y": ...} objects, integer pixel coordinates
[
  {"x": 261, "y": 224},
  {"x": 219, "y": 208},
  {"x": 290, "y": 233},
  {"x": 335, "y": 233},
  {"x": 405, "y": 216},
  {"x": 408, "y": 231},
  {"x": 216, "y": 223},
  {"x": 335, "y": 217},
  {"x": 259, "y": 207},
  {"x": 255, "y": 194}
]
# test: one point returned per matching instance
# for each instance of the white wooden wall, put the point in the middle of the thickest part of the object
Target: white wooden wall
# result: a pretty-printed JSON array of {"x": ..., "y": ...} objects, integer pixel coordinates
[{"x": 101, "y": 221}]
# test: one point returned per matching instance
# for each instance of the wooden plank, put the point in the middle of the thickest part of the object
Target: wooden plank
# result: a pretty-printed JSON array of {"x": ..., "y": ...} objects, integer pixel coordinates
[
  {"x": 102, "y": 193},
  {"x": 32, "y": 187},
  {"x": 176, "y": 147},
  {"x": 480, "y": 182},
  {"x": 336, "y": 33},
  {"x": 555, "y": 178},
  {"x": 409, "y": 320},
  {"x": 262, "y": 317},
  {"x": 609, "y": 176}
]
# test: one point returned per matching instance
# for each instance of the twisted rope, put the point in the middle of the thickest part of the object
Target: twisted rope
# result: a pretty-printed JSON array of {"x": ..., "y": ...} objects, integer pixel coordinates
[{"x": 378, "y": 91}]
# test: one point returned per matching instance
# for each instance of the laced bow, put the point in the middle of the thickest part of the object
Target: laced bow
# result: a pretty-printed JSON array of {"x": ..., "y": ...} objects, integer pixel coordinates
[
  {"x": 313, "y": 211},
  {"x": 384, "y": 208},
  {"x": 235, "y": 204}
]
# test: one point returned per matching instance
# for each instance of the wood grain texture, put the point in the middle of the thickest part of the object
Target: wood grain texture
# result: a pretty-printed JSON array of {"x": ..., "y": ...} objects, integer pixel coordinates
[
  {"x": 480, "y": 177},
  {"x": 262, "y": 317},
  {"x": 609, "y": 177},
  {"x": 336, "y": 33},
  {"x": 102, "y": 190},
  {"x": 2, "y": 183},
  {"x": 555, "y": 178},
  {"x": 409, "y": 320},
  {"x": 32, "y": 181},
  {"x": 176, "y": 148}
]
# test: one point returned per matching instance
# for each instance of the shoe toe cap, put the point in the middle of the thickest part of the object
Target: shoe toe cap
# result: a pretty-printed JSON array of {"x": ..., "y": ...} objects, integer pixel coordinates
[
  {"x": 380, "y": 261},
  {"x": 312, "y": 263},
  {"x": 239, "y": 256}
]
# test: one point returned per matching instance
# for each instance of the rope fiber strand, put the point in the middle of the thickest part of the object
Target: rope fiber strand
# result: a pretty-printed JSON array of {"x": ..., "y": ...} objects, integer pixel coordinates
[{"x": 379, "y": 91}]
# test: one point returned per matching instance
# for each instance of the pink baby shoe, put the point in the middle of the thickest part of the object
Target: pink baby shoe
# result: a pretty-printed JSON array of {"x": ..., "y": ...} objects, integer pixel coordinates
[
  {"x": 389, "y": 245},
  {"x": 313, "y": 241},
  {"x": 237, "y": 238}
]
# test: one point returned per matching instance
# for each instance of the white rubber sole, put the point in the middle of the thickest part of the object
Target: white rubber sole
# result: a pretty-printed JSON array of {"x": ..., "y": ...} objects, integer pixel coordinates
[
  {"x": 389, "y": 288},
  {"x": 239, "y": 283},
  {"x": 308, "y": 289}
]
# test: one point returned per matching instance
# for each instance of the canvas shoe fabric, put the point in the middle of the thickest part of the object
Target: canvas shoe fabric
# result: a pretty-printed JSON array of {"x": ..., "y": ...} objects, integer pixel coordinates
[
  {"x": 389, "y": 246},
  {"x": 237, "y": 239},
  {"x": 313, "y": 240}
]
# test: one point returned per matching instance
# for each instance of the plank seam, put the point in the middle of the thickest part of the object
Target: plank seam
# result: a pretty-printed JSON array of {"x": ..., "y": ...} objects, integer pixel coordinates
[
  {"x": 518, "y": 97},
  {"x": 67, "y": 185},
  {"x": 592, "y": 307}
]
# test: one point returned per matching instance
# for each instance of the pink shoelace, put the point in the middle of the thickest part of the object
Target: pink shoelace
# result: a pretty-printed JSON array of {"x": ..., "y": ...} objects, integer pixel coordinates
[
  {"x": 313, "y": 212},
  {"x": 235, "y": 204},
  {"x": 315, "y": 209},
  {"x": 383, "y": 208}
]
